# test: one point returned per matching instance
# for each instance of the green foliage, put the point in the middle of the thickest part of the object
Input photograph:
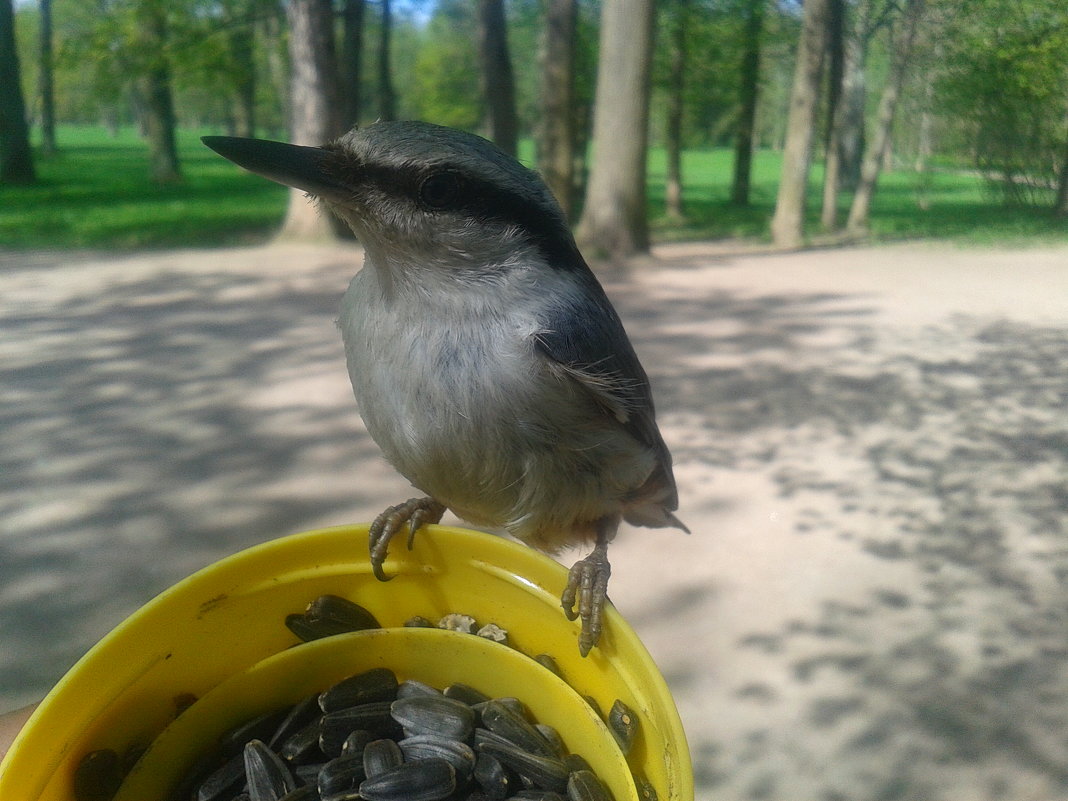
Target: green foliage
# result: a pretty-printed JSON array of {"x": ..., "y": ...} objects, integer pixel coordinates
[
  {"x": 446, "y": 87},
  {"x": 1006, "y": 80}
]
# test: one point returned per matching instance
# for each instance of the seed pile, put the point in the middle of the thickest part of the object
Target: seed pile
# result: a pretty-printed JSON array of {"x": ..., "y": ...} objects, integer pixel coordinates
[{"x": 369, "y": 737}]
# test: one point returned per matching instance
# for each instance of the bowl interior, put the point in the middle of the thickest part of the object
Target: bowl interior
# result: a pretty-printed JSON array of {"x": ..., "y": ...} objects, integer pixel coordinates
[{"x": 434, "y": 656}]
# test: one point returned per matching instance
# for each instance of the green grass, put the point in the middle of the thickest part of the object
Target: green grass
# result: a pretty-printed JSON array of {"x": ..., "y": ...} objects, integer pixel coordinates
[
  {"x": 96, "y": 194},
  {"x": 959, "y": 206}
]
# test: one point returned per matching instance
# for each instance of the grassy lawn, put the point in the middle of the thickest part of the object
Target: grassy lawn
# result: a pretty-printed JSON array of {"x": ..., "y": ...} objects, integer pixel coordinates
[{"x": 95, "y": 194}]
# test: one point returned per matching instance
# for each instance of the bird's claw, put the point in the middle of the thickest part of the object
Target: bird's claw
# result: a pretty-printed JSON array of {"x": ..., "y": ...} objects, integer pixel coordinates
[
  {"x": 415, "y": 512},
  {"x": 587, "y": 583}
]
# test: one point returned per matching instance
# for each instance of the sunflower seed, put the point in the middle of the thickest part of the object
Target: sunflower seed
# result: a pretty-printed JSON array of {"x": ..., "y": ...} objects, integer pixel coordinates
[
  {"x": 492, "y": 777},
  {"x": 221, "y": 783},
  {"x": 411, "y": 687},
  {"x": 425, "y": 780},
  {"x": 429, "y": 714},
  {"x": 623, "y": 724},
  {"x": 300, "y": 715},
  {"x": 334, "y": 727},
  {"x": 546, "y": 773},
  {"x": 381, "y": 756},
  {"x": 268, "y": 777},
  {"x": 549, "y": 664},
  {"x": 379, "y": 684},
  {"x": 339, "y": 779},
  {"x": 502, "y": 719},
  {"x": 433, "y": 746},
  {"x": 582, "y": 785},
  {"x": 466, "y": 693}
]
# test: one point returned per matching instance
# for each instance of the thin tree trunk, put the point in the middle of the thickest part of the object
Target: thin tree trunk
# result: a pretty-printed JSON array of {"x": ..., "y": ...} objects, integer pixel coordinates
[
  {"x": 788, "y": 222},
  {"x": 313, "y": 107},
  {"x": 748, "y": 93},
  {"x": 873, "y": 159},
  {"x": 16, "y": 158},
  {"x": 350, "y": 63},
  {"x": 831, "y": 178},
  {"x": 157, "y": 101},
  {"x": 498, "y": 83},
  {"x": 45, "y": 81},
  {"x": 1060, "y": 206},
  {"x": 387, "y": 97},
  {"x": 614, "y": 219},
  {"x": 556, "y": 131},
  {"x": 242, "y": 45},
  {"x": 673, "y": 132}
]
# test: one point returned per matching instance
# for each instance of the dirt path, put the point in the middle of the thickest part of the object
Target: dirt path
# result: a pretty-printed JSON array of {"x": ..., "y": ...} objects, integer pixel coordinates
[{"x": 871, "y": 447}]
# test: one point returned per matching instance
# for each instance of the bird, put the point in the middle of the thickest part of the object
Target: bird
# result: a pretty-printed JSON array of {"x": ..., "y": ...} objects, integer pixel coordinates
[{"x": 487, "y": 362}]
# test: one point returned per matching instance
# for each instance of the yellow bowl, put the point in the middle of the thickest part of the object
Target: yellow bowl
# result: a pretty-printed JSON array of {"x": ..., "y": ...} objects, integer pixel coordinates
[{"x": 218, "y": 636}]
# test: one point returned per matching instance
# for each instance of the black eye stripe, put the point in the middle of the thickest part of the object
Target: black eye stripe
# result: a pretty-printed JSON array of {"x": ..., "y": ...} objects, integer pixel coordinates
[{"x": 468, "y": 194}]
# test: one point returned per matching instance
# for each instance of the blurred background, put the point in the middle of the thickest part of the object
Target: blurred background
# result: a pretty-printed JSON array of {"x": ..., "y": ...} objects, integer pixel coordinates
[{"x": 836, "y": 231}]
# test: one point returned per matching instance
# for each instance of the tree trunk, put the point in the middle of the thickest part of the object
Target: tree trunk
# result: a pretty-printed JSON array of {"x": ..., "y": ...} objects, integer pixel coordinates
[
  {"x": 673, "y": 132},
  {"x": 16, "y": 158},
  {"x": 349, "y": 65},
  {"x": 614, "y": 217},
  {"x": 241, "y": 40},
  {"x": 873, "y": 159},
  {"x": 788, "y": 222},
  {"x": 556, "y": 130},
  {"x": 45, "y": 81},
  {"x": 1060, "y": 206},
  {"x": 313, "y": 104},
  {"x": 851, "y": 117},
  {"x": 748, "y": 92},
  {"x": 836, "y": 51},
  {"x": 387, "y": 97},
  {"x": 498, "y": 84},
  {"x": 157, "y": 101}
]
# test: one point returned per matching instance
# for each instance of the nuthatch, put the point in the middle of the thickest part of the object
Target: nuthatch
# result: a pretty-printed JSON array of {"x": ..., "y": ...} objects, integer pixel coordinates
[{"x": 487, "y": 361}]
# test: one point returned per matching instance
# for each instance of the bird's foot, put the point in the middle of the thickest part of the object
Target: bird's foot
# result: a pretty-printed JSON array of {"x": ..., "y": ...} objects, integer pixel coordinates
[
  {"x": 415, "y": 512},
  {"x": 587, "y": 583}
]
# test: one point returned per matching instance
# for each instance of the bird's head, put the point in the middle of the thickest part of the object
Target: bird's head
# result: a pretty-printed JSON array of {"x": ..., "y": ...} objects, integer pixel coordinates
[{"x": 419, "y": 194}]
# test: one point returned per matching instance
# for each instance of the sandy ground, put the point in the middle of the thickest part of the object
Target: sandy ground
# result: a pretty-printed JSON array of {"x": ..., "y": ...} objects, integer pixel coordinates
[{"x": 871, "y": 447}]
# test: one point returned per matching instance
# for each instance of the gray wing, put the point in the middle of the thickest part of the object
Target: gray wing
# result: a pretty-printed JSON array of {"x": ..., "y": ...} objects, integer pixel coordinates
[{"x": 584, "y": 336}]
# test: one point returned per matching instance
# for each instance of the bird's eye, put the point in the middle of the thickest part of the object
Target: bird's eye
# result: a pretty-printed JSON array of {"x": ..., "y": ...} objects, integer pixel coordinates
[{"x": 439, "y": 189}]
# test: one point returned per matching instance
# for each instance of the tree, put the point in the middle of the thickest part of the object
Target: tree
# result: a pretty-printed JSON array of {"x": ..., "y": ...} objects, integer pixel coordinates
[
  {"x": 614, "y": 217},
  {"x": 1006, "y": 84},
  {"x": 387, "y": 96},
  {"x": 350, "y": 62},
  {"x": 788, "y": 222},
  {"x": 16, "y": 159},
  {"x": 313, "y": 103},
  {"x": 748, "y": 89},
  {"x": 556, "y": 128},
  {"x": 153, "y": 87},
  {"x": 45, "y": 81},
  {"x": 873, "y": 159},
  {"x": 498, "y": 83},
  {"x": 673, "y": 129}
]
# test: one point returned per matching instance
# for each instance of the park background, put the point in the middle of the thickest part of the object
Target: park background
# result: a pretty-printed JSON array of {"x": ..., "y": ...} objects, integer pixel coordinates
[{"x": 864, "y": 399}]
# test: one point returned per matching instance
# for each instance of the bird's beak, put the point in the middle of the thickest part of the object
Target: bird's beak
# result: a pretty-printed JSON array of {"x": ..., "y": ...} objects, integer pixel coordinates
[{"x": 301, "y": 167}]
